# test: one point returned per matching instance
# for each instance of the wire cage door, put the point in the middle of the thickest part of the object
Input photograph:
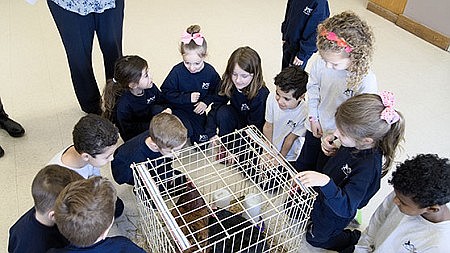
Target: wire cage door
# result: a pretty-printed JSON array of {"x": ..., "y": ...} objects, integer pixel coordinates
[{"x": 233, "y": 194}]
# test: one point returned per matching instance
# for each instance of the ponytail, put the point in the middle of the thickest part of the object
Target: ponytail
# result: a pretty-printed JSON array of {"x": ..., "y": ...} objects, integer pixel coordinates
[
  {"x": 390, "y": 142},
  {"x": 111, "y": 93}
]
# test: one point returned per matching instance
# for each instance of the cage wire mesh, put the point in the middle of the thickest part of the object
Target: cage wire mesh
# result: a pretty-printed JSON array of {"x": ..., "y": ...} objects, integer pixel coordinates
[{"x": 234, "y": 194}]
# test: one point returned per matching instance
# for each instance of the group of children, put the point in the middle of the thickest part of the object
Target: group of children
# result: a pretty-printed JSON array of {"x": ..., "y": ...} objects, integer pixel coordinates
[{"x": 350, "y": 135}]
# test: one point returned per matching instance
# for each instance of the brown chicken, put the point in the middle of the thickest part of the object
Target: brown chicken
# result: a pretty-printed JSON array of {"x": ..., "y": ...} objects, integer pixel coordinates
[{"x": 191, "y": 211}]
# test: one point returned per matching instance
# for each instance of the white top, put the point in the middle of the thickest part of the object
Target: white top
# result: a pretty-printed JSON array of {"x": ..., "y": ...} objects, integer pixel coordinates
[
  {"x": 86, "y": 172},
  {"x": 286, "y": 122},
  {"x": 391, "y": 231},
  {"x": 327, "y": 89}
]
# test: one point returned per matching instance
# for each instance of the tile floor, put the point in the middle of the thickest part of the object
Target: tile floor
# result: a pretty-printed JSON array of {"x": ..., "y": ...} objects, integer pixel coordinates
[{"x": 36, "y": 88}]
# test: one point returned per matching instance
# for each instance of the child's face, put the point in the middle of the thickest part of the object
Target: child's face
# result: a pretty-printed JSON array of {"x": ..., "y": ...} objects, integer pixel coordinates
[
  {"x": 407, "y": 206},
  {"x": 241, "y": 78},
  {"x": 345, "y": 140},
  {"x": 337, "y": 61},
  {"x": 146, "y": 81},
  {"x": 286, "y": 100},
  {"x": 103, "y": 158},
  {"x": 193, "y": 62},
  {"x": 168, "y": 151}
]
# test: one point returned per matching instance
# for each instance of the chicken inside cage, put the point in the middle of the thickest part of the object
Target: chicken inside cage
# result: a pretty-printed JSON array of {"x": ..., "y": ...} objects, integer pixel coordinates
[{"x": 233, "y": 198}]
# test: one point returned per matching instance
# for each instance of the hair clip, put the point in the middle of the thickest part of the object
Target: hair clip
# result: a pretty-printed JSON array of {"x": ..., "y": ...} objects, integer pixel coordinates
[
  {"x": 331, "y": 36},
  {"x": 114, "y": 80},
  {"x": 196, "y": 37},
  {"x": 389, "y": 114}
]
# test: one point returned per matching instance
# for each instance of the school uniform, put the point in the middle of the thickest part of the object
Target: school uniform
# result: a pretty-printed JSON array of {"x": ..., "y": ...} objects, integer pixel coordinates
[
  {"x": 29, "y": 235},
  {"x": 177, "y": 89},
  {"x": 109, "y": 244},
  {"x": 299, "y": 29},
  {"x": 134, "y": 113}
]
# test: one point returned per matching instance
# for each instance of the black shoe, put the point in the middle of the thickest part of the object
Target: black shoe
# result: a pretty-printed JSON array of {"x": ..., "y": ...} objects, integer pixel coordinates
[
  {"x": 12, "y": 127},
  {"x": 2, "y": 152}
]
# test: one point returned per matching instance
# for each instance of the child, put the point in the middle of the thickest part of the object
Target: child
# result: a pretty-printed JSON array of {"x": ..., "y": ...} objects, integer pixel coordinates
[
  {"x": 299, "y": 30},
  {"x": 286, "y": 113},
  {"x": 190, "y": 85},
  {"x": 165, "y": 135},
  {"x": 35, "y": 231},
  {"x": 84, "y": 213},
  {"x": 131, "y": 99},
  {"x": 243, "y": 86},
  {"x": 345, "y": 44},
  {"x": 416, "y": 216},
  {"x": 94, "y": 142},
  {"x": 369, "y": 128}
]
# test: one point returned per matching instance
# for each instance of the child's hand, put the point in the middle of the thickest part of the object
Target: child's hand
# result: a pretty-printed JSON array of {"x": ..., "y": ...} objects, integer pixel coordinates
[
  {"x": 330, "y": 145},
  {"x": 312, "y": 178},
  {"x": 297, "y": 61},
  {"x": 316, "y": 129},
  {"x": 200, "y": 108},
  {"x": 195, "y": 97},
  {"x": 168, "y": 110}
]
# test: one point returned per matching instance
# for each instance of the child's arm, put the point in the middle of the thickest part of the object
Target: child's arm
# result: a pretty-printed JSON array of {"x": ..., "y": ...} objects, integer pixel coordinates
[
  {"x": 287, "y": 144},
  {"x": 171, "y": 90},
  {"x": 367, "y": 241},
  {"x": 258, "y": 108},
  {"x": 120, "y": 168},
  {"x": 268, "y": 130},
  {"x": 313, "y": 90}
]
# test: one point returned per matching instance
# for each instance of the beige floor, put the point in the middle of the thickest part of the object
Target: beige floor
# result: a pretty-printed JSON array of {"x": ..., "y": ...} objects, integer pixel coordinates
[{"x": 36, "y": 88}]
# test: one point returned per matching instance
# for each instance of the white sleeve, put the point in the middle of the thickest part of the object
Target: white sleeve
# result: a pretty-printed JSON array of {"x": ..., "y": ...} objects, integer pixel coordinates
[
  {"x": 367, "y": 239},
  {"x": 269, "y": 108},
  {"x": 313, "y": 90}
]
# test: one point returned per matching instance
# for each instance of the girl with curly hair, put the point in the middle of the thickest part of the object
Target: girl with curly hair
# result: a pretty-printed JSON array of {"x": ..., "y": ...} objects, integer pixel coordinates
[{"x": 345, "y": 44}]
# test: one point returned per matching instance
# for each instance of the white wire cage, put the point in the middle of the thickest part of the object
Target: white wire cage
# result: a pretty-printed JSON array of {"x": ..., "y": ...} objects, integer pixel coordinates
[{"x": 234, "y": 194}]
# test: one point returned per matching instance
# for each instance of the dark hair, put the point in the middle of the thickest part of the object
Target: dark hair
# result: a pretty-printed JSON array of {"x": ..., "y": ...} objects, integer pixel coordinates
[
  {"x": 425, "y": 179},
  {"x": 48, "y": 183},
  {"x": 85, "y": 209},
  {"x": 249, "y": 61},
  {"x": 92, "y": 134},
  {"x": 127, "y": 69},
  {"x": 292, "y": 78}
]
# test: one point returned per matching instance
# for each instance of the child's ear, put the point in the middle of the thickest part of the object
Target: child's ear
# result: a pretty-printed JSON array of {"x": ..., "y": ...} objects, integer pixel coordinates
[
  {"x": 85, "y": 156},
  {"x": 367, "y": 141},
  {"x": 51, "y": 215},
  {"x": 433, "y": 209},
  {"x": 132, "y": 85}
]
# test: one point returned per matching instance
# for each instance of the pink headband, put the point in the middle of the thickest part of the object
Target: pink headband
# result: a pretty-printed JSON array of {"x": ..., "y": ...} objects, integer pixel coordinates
[
  {"x": 196, "y": 37},
  {"x": 389, "y": 114},
  {"x": 331, "y": 36}
]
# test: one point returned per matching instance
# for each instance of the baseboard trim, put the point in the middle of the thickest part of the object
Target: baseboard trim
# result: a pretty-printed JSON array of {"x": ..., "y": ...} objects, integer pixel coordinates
[
  {"x": 421, "y": 31},
  {"x": 383, "y": 12}
]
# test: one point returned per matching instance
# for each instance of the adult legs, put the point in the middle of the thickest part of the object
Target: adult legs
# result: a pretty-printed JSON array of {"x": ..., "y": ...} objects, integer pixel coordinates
[
  {"x": 77, "y": 35},
  {"x": 109, "y": 27}
]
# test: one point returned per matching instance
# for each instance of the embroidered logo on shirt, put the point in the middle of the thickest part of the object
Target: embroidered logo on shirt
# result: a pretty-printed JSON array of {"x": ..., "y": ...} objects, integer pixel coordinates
[
  {"x": 409, "y": 247},
  {"x": 346, "y": 169},
  {"x": 151, "y": 99},
  {"x": 307, "y": 10},
  {"x": 205, "y": 86},
  {"x": 244, "y": 107},
  {"x": 291, "y": 123}
]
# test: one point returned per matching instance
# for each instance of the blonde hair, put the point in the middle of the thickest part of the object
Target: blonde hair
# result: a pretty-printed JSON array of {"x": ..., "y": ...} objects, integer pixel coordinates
[
  {"x": 127, "y": 69},
  {"x": 192, "y": 46},
  {"x": 249, "y": 61},
  {"x": 85, "y": 209},
  {"x": 167, "y": 131},
  {"x": 360, "y": 117},
  {"x": 358, "y": 35}
]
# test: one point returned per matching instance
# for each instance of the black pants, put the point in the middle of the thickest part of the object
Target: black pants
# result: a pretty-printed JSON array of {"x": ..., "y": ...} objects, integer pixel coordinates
[
  {"x": 311, "y": 156},
  {"x": 289, "y": 53},
  {"x": 77, "y": 34}
]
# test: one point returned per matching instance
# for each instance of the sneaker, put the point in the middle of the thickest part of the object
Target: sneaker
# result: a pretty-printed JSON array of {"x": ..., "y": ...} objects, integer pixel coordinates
[{"x": 12, "y": 127}]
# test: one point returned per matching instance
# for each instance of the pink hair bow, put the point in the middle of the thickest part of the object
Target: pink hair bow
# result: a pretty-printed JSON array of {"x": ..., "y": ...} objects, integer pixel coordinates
[
  {"x": 196, "y": 37},
  {"x": 389, "y": 114}
]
